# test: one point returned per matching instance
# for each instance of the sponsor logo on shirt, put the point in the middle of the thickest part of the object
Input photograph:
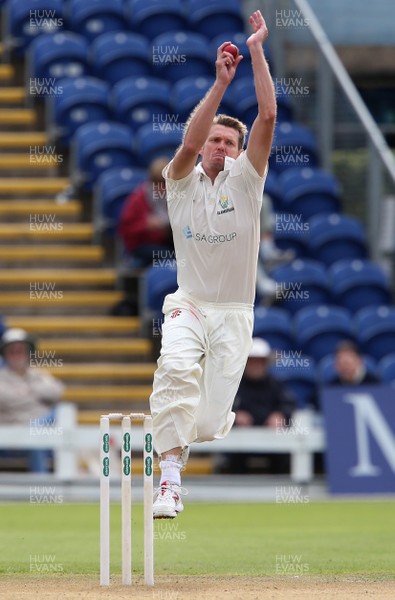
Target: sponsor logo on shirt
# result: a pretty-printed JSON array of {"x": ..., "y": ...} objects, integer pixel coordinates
[
  {"x": 175, "y": 313},
  {"x": 209, "y": 238},
  {"x": 187, "y": 231},
  {"x": 225, "y": 205}
]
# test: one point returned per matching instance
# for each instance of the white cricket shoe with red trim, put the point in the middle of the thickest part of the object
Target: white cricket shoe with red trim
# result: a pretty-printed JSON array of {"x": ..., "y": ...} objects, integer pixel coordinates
[{"x": 167, "y": 500}]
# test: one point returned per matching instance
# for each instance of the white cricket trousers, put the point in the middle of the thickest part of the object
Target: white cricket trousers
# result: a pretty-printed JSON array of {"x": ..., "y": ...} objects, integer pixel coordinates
[{"x": 205, "y": 347}]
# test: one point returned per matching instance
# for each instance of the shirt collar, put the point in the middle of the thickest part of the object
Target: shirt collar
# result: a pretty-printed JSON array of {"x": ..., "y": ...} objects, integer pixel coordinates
[{"x": 227, "y": 165}]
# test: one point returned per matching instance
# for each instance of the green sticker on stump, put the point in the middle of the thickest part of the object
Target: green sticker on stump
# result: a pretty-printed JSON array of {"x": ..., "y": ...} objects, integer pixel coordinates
[
  {"x": 106, "y": 442},
  {"x": 126, "y": 442},
  {"x": 148, "y": 466},
  {"x": 148, "y": 442},
  {"x": 106, "y": 466},
  {"x": 126, "y": 465}
]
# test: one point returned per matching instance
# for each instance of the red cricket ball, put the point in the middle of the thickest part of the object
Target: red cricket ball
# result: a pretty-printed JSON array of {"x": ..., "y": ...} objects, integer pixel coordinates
[{"x": 232, "y": 49}]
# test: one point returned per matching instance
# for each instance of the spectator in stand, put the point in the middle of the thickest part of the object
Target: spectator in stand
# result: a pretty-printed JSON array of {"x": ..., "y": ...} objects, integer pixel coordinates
[
  {"x": 144, "y": 224},
  {"x": 261, "y": 401},
  {"x": 28, "y": 395},
  {"x": 350, "y": 367}
]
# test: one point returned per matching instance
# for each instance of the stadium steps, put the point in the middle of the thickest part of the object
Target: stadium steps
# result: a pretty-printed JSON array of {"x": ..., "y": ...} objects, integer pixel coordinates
[
  {"x": 132, "y": 372},
  {"x": 32, "y": 186},
  {"x": 66, "y": 305},
  {"x": 59, "y": 277},
  {"x": 14, "y": 161},
  {"x": 104, "y": 360},
  {"x": 12, "y": 95},
  {"x": 49, "y": 230},
  {"x": 17, "y": 117},
  {"x": 89, "y": 348},
  {"x": 71, "y": 325},
  {"x": 7, "y": 73},
  {"x": 22, "y": 139},
  {"x": 50, "y": 254},
  {"x": 23, "y": 209},
  {"x": 107, "y": 394}
]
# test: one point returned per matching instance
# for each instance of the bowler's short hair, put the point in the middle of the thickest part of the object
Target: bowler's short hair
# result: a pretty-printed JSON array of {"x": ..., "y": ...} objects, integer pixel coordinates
[{"x": 236, "y": 124}]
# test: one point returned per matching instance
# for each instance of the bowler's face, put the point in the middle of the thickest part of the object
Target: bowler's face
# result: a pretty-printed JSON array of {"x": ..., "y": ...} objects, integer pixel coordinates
[{"x": 222, "y": 141}]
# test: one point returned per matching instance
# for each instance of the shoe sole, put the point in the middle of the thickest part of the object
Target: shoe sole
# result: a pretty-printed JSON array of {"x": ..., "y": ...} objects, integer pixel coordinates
[{"x": 165, "y": 515}]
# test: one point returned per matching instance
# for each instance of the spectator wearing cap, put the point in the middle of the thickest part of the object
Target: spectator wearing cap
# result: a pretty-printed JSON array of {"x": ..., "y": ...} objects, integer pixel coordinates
[
  {"x": 350, "y": 368},
  {"x": 27, "y": 394},
  {"x": 261, "y": 401}
]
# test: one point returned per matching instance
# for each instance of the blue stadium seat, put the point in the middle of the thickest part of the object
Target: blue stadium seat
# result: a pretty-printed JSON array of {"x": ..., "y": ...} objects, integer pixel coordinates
[
  {"x": 62, "y": 54},
  {"x": 153, "y": 17},
  {"x": 141, "y": 100},
  {"x": 334, "y": 237},
  {"x": 24, "y": 21},
  {"x": 327, "y": 372},
  {"x": 151, "y": 144},
  {"x": 180, "y": 54},
  {"x": 210, "y": 16},
  {"x": 291, "y": 233},
  {"x": 309, "y": 192},
  {"x": 188, "y": 92},
  {"x": 294, "y": 146},
  {"x": 112, "y": 188},
  {"x": 83, "y": 99},
  {"x": 98, "y": 146},
  {"x": 358, "y": 283},
  {"x": 386, "y": 368},
  {"x": 96, "y": 17},
  {"x": 274, "y": 325},
  {"x": 302, "y": 283},
  {"x": 375, "y": 327},
  {"x": 273, "y": 189},
  {"x": 117, "y": 55},
  {"x": 319, "y": 329},
  {"x": 244, "y": 99},
  {"x": 297, "y": 372},
  {"x": 159, "y": 282}
]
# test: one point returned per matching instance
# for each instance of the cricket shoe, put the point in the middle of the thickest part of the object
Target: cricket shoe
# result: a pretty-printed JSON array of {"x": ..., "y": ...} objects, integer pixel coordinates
[{"x": 167, "y": 500}]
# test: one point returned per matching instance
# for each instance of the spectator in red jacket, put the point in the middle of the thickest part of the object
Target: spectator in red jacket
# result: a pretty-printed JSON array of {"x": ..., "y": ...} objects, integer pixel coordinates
[{"x": 144, "y": 224}]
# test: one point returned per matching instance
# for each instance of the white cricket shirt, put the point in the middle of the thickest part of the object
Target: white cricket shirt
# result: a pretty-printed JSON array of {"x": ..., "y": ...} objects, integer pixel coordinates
[{"x": 216, "y": 230}]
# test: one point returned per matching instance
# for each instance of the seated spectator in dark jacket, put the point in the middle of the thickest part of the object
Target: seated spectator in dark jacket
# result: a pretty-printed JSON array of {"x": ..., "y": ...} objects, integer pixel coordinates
[
  {"x": 144, "y": 223},
  {"x": 350, "y": 367},
  {"x": 261, "y": 401}
]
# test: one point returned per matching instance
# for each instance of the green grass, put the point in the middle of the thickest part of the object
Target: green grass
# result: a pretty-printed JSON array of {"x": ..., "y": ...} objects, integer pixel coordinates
[{"x": 329, "y": 538}]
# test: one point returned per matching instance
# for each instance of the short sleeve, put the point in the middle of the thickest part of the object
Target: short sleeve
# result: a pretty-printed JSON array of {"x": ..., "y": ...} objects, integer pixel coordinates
[{"x": 178, "y": 189}]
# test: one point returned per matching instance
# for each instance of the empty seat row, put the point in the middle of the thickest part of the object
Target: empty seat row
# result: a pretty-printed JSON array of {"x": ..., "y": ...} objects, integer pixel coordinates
[
  {"x": 316, "y": 330},
  {"x": 24, "y": 21},
  {"x": 136, "y": 101},
  {"x": 325, "y": 237},
  {"x": 352, "y": 284},
  {"x": 103, "y": 145}
]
